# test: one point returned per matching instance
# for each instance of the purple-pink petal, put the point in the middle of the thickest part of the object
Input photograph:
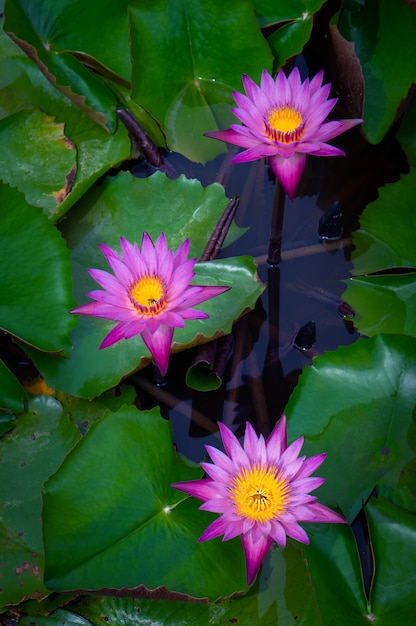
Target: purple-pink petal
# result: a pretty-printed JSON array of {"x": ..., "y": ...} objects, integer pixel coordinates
[
  {"x": 158, "y": 344},
  {"x": 289, "y": 171},
  {"x": 203, "y": 489},
  {"x": 273, "y": 455},
  {"x": 254, "y": 553},
  {"x": 309, "y": 98}
]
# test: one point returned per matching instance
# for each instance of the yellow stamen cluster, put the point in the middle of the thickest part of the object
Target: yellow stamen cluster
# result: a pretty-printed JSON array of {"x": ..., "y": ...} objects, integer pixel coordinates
[
  {"x": 284, "y": 124},
  {"x": 260, "y": 493},
  {"x": 148, "y": 294}
]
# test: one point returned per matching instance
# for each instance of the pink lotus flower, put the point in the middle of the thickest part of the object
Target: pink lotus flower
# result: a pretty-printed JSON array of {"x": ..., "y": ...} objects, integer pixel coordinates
[
  {"x": 283, "y": 119},
  {"x": 149, "y": 295},
  {"x": 262, "y": 491}
]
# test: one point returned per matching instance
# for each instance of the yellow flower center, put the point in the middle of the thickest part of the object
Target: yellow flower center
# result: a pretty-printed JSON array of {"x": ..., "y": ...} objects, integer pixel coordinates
[
  {"x": 284, "y": 124},
  {"x": 259, "y": 493},
  {"x": 148, "y": 295}
]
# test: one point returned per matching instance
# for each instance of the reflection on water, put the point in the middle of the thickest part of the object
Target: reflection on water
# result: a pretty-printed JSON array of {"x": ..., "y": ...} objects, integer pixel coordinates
[{"x": 303, "y": 292}]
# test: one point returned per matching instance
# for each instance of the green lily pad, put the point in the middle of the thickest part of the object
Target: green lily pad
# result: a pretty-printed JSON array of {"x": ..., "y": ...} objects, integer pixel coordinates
[
  {"x": 127, "y": 527},
  {"x": 385, "y": 239},
  {"x": 378, "y": 29},
  {"x": 295, "y": 18},
  {"x": 22, "y": 88},
  {"x": 383, "y": 304},
  {"x": 27, "y": 23},
  {"x": 12, "y": 394},
  {"x": 190, "y": 55},
  {"x": 105, "y": 214},
  {"x": 34, "y": 450},
  {"x": 42, "y": 437},
  {"x": 335, "y": 576},
  {"x": 356, "y": 405},
  {"x": 35, "y": 279},
  {"x": 270, "y": 12},
  {"x": 38, "y": 158},
  {"x": 393, "y": 540}
]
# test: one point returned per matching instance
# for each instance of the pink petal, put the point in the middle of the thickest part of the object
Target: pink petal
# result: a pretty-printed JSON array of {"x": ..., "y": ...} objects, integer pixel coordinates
[
  {"x": 310, "y": 465},
  {"x": 277, "y": 441},
  {"x": 233, "y": 447},
  {"x": 115, "y": 334},
  {"x": 159, "y": 344},
  {"x": 220, "y": 459},
  {"x": 254, "y": 553},
  {"x": 233, "y": 137},
  {"x": 289, "y": 171},
  {"x": 216, "y": 473},
  {"x": 320, "y": 513},
  {"x": 203, "y": 489},
  {"x": 217, "y": 528},
  {"x": 278, "y": 534}
]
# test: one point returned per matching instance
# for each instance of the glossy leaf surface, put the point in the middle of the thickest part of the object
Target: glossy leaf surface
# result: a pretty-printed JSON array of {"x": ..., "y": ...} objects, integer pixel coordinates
[
  {"x": 385, "y": 302},
  {"x": 22, "y": 86},
  {"x": 41, "y": 438},
  {"x": 35, "y": 276},
  {"x": 385, "y": 238},
  {"x": 127, "y": 527},
  {"x": 175, "y": 79},
  {"x": 365, "y": 393},
  {"x": 271, "y": 12},
  {"x": 37, "y": 158},
  {"x": 393, "y": 537},
  {"x": 379, "y": 28},
  {"x": 30, "y": 29},
  {"x": 33, "y": 451}
]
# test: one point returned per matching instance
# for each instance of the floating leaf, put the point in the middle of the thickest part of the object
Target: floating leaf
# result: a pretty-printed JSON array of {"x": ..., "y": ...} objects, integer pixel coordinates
[
  {"x": 127, "y": 527},
  {"x": 270, "y": 12},
  {"x": 190, "y": 55},
  {"x": 125, "y": 206},
  {"x": 37, "y": 158},
  {"x": 295, "y": 18},
  {"x": 385, "y": 303},
  {"x": 393, "y": 541},
  {"x": 335, "y": 576},
  {"x": 356, "y": 405},
  {"x": 23, "y": 87},
  {"x": 379, "y": 28},
  {"x": 385, "y": 238},
  {"x": 28, "y": 25},
  {"x": 34, "y": 450},
  {"x": 35, "y": 279}
]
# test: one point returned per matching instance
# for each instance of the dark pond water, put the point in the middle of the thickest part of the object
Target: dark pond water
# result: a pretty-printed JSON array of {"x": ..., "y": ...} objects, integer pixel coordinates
[{"x": 304, "y": 293}]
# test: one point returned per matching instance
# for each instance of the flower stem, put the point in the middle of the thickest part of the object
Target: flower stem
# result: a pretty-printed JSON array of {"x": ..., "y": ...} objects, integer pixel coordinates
[{"x": 275, "y": 242}]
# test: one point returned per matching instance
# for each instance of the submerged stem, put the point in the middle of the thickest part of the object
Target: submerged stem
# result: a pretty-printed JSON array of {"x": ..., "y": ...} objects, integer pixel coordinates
[{"x": 275, "y": 242}]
